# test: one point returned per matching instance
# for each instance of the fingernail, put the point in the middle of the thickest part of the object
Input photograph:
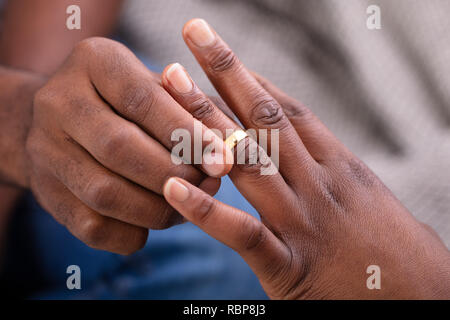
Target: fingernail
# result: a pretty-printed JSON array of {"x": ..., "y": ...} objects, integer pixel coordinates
[
  {"x": 217, "y": 161},
  {"x": 216, "y": 164},
  {"x": 200, "y": 33},
  {"x": 176, "y": 190},
  {"x": 179, "y": 79}
]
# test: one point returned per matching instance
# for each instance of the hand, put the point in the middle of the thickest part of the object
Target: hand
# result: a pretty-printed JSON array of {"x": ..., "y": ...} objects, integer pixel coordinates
[
  {"x": 99, "y": 148},
  {"x": 325, "y": 217}
]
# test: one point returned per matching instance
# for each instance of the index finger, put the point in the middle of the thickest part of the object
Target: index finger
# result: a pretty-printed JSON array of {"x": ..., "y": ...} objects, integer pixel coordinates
[
  {"x": 136, "y": 94},
  {"x": 248, "y": 236},
  {"x": 253, "y": 105}
]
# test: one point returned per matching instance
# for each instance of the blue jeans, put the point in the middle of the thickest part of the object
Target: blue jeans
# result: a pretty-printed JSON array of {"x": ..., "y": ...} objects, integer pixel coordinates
[{"x": 179, "y": 263}]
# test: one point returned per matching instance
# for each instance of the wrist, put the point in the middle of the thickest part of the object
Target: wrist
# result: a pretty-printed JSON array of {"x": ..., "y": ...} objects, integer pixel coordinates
[{"x": 16, "y": 113}]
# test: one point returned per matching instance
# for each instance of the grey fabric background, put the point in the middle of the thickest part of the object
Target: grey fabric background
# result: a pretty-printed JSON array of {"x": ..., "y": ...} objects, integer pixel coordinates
[{"x": 384, "y": 93}]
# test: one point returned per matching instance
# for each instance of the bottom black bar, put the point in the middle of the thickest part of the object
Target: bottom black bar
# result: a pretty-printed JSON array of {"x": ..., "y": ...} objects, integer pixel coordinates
[{"x": 238, "y": 309}]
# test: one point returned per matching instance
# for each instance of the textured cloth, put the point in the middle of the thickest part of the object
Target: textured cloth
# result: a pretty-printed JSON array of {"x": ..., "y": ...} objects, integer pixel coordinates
[{"x": 385, "y": 93}]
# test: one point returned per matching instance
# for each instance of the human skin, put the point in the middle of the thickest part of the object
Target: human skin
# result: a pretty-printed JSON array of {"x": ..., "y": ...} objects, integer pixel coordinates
[
  {"x": 16, "y": 98},
  {"x": 92, "y": 140},
  {"x": 33, "y": 43},
  {"x": 100, "y": 147},
  {"x": 325, "y": 217}
]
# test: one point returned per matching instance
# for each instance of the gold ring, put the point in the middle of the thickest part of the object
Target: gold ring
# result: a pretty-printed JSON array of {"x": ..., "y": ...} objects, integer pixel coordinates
[{"x": 235, "y": 138}]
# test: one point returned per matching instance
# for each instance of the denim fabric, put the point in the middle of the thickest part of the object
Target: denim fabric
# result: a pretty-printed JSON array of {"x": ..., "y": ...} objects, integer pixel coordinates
[{"x": 179, "y": 263}]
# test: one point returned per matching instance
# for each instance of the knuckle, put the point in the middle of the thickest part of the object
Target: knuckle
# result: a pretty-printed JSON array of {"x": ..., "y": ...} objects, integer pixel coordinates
[
  {"x": 138, "y": 102},
  {"x": 251, "y": 158},
  {"x": 101, "y": 194},
  {"x": 92, "y": 232},
  {"x": 251, "y": 169},
  {"x": 202, "y": 212},
  {"x": 296, "y": 110},
  {"x": 87, "y": 47},
  {"x": 266, "y": 112},
  {"x": 357, "y": 172},
  {"x": 330, "y": 194},
  {"x": 114, "y": 142},
  {"x": 201, "y": 108},
  {"x": 100, "y": 54},
  {"x": 93, "y": 45},
  {"x": 221, "y": 59},
  {"x": 78, "y": 104},
  {"x": 165, "y": 219},
  {"x": 139, "y": 241},
  {"x": 254, "y": 233},
  {"x": 43, "y": 97},
  {"x": 54, "y": 98}
]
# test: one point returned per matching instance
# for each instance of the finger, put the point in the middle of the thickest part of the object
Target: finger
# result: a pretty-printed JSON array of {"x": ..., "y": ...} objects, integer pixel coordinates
[
  {"x": 100, "y": 189},
  {"x": 195, "y": 101},
  {"x": 260, "y": 248},
  {"x": 137, "y": 95},
  {"x": 319, "y": 141},
  {"x": 121, "y": 146},
  {"x": 210, "y": 185},
  {"x": 254, "y": 107},
  {"x": 218, "y": 101},
  {"x": 251, "y": 173},
  {"x": 93, "y": 229}
]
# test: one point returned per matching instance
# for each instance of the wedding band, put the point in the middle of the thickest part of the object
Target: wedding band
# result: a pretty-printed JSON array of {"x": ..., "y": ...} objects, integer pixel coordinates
[{"x": 236, "y": 137}]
